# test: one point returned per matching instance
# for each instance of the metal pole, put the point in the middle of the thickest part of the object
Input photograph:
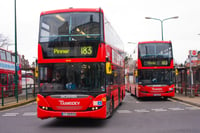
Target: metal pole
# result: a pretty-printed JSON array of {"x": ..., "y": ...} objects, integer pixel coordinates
[
  {"x": 162, "y": 22},
  {"x": 161, "y": 28},
  {"x": 16, "y": 75},
  {"x": 191, "y": 77},
  {"x": 2, "y": 103}
]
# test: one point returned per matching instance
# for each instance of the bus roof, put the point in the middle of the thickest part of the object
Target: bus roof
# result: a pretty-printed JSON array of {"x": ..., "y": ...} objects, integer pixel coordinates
[
  {"x": 72, "y": 10},
  {"x": 154, "y": 42}
]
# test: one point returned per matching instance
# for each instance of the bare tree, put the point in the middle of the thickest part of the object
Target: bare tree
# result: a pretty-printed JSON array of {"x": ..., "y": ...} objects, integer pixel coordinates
[{"x": 3, "y": 40}]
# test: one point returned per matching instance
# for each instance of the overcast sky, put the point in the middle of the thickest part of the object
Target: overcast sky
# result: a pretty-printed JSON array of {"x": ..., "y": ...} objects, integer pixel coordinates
[{"x": 126, "y": 16}]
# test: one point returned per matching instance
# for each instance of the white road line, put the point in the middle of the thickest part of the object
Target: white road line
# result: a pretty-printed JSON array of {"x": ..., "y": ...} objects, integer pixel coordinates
[
  {"x": 30, "y": 114},
  {"x": 192, "y": 108},
  {"x": 10, "y": 114},
  {"x": 159, "y": 110},
  {"x": 124, "y": 111},
  {"x": 176, "y": 109},
  {"x": 141, "y": 110}
]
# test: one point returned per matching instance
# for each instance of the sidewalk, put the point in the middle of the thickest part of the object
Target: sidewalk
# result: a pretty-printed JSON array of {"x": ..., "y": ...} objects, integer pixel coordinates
[
  {"x": 15, "y": 104},
  {"x": 187, "y": 99},
  {"x": 25, "y": 97}
]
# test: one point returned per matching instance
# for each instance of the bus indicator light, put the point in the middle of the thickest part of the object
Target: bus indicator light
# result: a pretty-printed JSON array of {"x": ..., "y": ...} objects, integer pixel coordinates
[{"x": 68, "y": 60}]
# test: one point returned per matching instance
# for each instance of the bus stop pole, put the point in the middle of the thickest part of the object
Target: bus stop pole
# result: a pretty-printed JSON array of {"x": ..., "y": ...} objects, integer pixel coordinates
[
  {"x": 191, "y": 77},
  {"x": 2, "y": 98},
  {"x": 16, "y": 75}
]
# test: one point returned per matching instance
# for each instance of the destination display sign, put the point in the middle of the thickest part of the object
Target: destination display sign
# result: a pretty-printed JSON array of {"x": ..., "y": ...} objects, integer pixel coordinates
[
  {"x": 156, "y": 63},
  {"x": 71, "y": 52}
]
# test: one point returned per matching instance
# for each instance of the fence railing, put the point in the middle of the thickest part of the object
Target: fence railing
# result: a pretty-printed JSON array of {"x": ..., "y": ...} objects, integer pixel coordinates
[
  {"x": 13, "y": 94},
  {"x": 187, "y": 90}
]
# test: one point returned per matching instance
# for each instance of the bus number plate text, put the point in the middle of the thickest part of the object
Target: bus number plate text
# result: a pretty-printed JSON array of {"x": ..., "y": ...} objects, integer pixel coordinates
[
  {"x": 68, "y": 114},
  {"x": 156, "y": 94}
]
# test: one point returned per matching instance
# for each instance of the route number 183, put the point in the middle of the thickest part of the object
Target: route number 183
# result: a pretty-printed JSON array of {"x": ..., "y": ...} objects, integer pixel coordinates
[{"x": 86, "y": 50}]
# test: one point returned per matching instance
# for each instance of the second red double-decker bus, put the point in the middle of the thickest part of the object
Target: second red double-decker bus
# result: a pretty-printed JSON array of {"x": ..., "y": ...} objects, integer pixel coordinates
[
  {"x": 7, "y": 72},
  {"x": 81, "y": 65},
  {"x": 154, "y": 70}
]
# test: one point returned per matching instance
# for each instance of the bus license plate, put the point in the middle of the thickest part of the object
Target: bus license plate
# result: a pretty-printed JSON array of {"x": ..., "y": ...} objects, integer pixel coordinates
[
  {"x": 156, "y": 94},
  {"x": 68, "y": 114}
]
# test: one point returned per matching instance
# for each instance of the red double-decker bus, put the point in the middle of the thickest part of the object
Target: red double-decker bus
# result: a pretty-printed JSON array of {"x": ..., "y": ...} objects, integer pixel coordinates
[
  {"x": 7, "y": 72},
  {"x": 80, "y": 64},
  {"x": 154, "y": 70}
]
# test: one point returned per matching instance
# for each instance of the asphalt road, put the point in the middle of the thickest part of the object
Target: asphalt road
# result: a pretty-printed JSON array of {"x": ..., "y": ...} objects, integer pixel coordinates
[{"x": 133, "y": 116}]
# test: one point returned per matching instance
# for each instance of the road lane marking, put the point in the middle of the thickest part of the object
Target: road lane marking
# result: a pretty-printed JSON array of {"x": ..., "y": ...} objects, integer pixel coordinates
[
  {"x": 141, "y": 110},
  {"x": 30, "y": 114},
  {"x": 159, "y": 110},
  {"x": 193, "y": 108},
  {"x": 10, "y": 114},
  {"x": 124, "y": 111},
  {"x": 176, "y": 109}
]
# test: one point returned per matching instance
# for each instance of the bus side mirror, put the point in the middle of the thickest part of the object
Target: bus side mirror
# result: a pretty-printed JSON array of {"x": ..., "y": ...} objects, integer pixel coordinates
[{"x": 108, "y": 68}]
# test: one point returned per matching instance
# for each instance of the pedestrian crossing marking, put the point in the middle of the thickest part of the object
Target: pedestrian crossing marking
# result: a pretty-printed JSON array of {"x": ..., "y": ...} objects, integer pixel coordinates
[
  {"x": 30, "y": 114},
  {"x": 141, "y": 110},
  {"x": 193, "y": 108},
  {"x": 175, "y": 109},
  {"x": 10, "y": 114},
  {"x": 159, "y": 110},
  {"x": 124, "y": 111}
]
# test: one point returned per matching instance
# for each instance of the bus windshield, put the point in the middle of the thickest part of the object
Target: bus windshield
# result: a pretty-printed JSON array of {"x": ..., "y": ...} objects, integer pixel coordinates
[
  {"x": 155, "y": 50},
  {"x": 70, "y": 26},
  {"x": 72, "y": 77},
  {"x": 156, "y": 76}
]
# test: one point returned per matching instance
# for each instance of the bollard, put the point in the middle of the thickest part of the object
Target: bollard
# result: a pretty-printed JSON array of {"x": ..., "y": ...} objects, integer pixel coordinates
[
  {"x": 2, "y": 103},
  {"x": 34, "y": 90},
  {"x": 26, "y": 93},
  {"x": 16, "y": 93}
]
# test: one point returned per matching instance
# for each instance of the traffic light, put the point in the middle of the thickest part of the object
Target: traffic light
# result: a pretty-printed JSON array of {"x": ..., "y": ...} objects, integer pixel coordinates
[
  {"x": 135, "y": 73},
  {"x": 176, "y": 72},
  {"x": 36, "y": 71}
]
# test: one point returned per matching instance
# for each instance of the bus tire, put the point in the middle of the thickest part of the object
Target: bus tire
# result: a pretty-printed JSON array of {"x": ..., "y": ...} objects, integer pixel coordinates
[
  {"x": 122, "y": 99},
  {"x": 135, "y": 93},
  {"x": 131, "y": 92},
  {"x": 111, "y": 109},
  {"x": 165, "y": 98}
]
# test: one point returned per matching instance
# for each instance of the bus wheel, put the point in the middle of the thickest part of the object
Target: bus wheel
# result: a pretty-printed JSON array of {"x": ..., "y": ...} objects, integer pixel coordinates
[
  {"x": 135, "y": 93},
  {"x": 122, "y": 98},
  {"x": 111, "y": 108},
  {"x": 165, "y": 98},
  {"x": 131, "y": 92}
]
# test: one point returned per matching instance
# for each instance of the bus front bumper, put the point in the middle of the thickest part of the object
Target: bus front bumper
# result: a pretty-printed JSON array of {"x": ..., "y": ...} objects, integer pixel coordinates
[
  {"x": 167, "y": 94},
  {"x": 96, "y": 114}
]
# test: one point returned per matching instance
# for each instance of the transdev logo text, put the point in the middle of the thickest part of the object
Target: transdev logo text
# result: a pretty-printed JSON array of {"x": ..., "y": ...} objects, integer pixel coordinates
[{"x": 69, "y": 103}]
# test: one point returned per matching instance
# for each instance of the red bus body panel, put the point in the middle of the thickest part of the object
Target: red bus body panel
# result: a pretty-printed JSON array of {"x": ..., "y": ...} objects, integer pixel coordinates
[
  {"x": 149, "y": 91},
  {"x": 72, "y": 10},
  {"x": 77, "y": 106},
  {"x": 8, "y": 70}
]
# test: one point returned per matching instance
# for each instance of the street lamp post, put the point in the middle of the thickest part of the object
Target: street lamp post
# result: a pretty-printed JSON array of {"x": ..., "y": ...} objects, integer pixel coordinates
[
  {"x": 16, "y": 75},
  {"x": 161, "y": 21}
]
